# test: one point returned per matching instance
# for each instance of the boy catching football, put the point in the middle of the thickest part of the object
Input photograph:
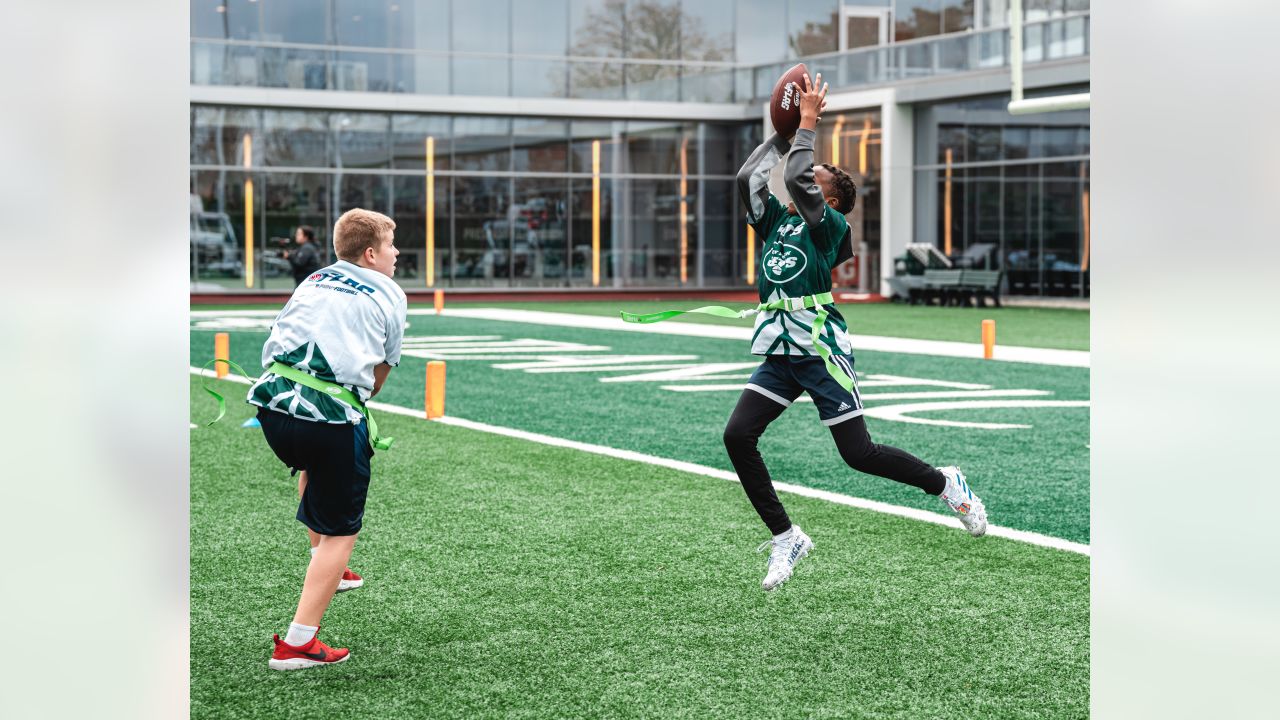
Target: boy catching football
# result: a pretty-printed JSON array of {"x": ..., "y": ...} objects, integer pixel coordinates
[
  {"x": 802, "y": 243},
  {"x": 330, "y": 350}
]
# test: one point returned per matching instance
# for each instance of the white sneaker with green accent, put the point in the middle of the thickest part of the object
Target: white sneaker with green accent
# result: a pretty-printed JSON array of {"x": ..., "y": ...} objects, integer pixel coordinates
[
  {"x": 963, "y": 502},
  {"x": 786, "y": 553}
]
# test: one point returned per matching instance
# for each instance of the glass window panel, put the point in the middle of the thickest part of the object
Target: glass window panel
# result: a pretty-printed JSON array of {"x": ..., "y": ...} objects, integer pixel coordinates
[
  {"x": 719, "y": 250},
  {"x": 1015, "y": 142},
  {"x": 217, "y": 228},
  {"x": 481, "y": 143},
  {"x": 957, "y": 15},
  {"x": 358, "y": 71},
  {"x": 704, "y": 84},
  {"x": 482, "y": 26},
  {"x": 368, "y": 23},
  {"x": 408, "y": 209},
  {"x": 362, "y": 140},
  {"x": 540, "y": 145},
  {"x": 295, "y": 21},
  {"x": 291, "y": 200},
  {"x": 653, "y": 82},
  {"x": 916, "y": 18},
  {"x": 651, "y": 256},
  {"x": 581, "y": 221},
  {"x": 360, "y": 190},
  {"x": 984, "y": 142},
  {"x": 597, "y": 28},
  {"x": 217, "y": 136},
  {"x": 550, "y": 18},
  {"x": 228, "y": 19},
  {"x": 595, "y": 80},
  {"x": 953, "y": 138},
  {"x": 812, "y": 26},
  {"x": 296, "y": 138},
  {"x": 656, "y": 147},
  {"x": 409, "y": 135},
  {"x": 1062, "y": 232},
  {"x": 756, "y": 31},
  {"x": 483, "y": 232},
  {"x": 652, "y": 29},
  {"x": 706, "y": 32},
  {"x": 721, "y": 149},
  {"x": 540, "y": 238},
  {"x": 481, "y": 76},
  {"x": 539, "y": 78},
  {"x": 584, "y": 133}
]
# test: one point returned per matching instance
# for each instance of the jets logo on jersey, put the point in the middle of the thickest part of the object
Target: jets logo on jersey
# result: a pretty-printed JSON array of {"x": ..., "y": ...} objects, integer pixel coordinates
[
  {"x": 335, "y": 276},
  {"x": 783, "y": 263}
]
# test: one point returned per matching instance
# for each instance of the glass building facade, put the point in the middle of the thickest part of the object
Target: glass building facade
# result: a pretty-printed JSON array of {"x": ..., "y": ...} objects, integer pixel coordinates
[
  {"x": 582, "y": 189},
  {"x": 1014, "y": 186}
]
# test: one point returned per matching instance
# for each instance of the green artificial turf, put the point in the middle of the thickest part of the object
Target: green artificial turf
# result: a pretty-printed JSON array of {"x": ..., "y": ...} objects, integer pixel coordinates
[
  {"x": 1033, "y": 479},
  {"x": 510, "y": 579}
]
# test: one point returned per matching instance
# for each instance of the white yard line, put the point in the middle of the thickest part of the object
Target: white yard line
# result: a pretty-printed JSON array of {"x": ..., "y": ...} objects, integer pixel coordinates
[
  {"x": 876, "y": 343},
  {"x": 838, "y": 498}
]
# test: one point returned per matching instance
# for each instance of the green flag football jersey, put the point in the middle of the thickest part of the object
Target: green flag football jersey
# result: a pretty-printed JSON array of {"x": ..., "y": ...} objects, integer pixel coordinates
[{"x": 795, "y": 261}]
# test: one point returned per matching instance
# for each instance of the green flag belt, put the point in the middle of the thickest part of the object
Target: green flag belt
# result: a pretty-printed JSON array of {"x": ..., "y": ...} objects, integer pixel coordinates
[
  {"x": 786, "y": 304},
  {"x": 311, "y": 381}
]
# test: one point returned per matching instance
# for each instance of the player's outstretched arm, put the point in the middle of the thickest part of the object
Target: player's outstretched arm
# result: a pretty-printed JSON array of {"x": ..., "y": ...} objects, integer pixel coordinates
[
  {"x": 798, "y": 173},
  {"x": 753, "y": 177}
]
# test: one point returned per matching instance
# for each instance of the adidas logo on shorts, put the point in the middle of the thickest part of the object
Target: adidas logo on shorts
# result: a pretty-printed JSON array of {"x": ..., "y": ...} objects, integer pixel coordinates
[{"x": 844, "y": 406}]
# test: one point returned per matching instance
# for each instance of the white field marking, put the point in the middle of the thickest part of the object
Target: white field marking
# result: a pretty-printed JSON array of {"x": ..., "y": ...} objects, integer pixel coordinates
[
  {"x": 900, "y": 412},
  {"x": 235, "y": 323},
  {"x": 926, "y": 395},
  {"x": 550, "y": 345},
  {"x": 599, "y": 368},
  {"x": 878, "y": 380},
  {"x": 434, "y": 339},
  {"x": 876, "y": 343},
  {"x": 462, "y": 353},
  {"x": 1025, "y": 536},
  {"x": 193, "y": 426},
  {"x": 554, "y": 364},
  {"x": 695, "y": 372}
]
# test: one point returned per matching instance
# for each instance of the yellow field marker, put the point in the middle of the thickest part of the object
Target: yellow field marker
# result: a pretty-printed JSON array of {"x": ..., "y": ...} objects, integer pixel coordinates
[
  {"x": 435, "y": 389},
  {"x": 439, "y": 298},
  {"x": 221, "y": 351},
  {"x": 988, "y": 338}
]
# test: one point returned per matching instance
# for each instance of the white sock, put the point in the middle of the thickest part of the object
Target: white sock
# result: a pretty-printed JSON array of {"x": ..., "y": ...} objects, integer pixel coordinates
[
  {"x": 785, "y": 535},
  {"x": 313, "y": 551},
  {"x": 300, "y": 634}
]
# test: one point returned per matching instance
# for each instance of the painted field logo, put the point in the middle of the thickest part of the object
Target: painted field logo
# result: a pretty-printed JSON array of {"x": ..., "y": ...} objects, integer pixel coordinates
[{"x": 783, "y": 263}]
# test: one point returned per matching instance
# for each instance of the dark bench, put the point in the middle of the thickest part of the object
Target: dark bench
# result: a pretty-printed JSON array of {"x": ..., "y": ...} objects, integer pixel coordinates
[{"x": 979, "y": 285}]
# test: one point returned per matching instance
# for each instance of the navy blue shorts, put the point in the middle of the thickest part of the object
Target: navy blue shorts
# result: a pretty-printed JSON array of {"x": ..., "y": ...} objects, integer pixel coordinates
[
  {"x": 782, "y": 378},
  {"x": 336, "y": 458}
]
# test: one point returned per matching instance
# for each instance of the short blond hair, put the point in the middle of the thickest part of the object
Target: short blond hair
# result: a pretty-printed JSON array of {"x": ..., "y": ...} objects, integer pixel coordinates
[{"x": 359, "y": 229}]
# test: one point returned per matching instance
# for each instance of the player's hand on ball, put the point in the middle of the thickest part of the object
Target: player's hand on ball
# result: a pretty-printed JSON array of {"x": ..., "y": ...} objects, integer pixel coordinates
[{"x": 813, "y": 100}]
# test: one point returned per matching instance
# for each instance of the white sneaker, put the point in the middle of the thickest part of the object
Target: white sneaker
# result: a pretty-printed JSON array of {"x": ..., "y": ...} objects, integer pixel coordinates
[
  {"x": 963, "y": 502},
  {"x": 784, "y": 556}
]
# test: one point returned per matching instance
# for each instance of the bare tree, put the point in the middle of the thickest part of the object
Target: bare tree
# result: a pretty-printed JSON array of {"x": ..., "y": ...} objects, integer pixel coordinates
[{"x": 653, "y": 29}]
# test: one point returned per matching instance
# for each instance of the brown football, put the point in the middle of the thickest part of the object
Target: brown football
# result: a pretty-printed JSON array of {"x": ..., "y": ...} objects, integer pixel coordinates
[{"x": 784, "y": 104}]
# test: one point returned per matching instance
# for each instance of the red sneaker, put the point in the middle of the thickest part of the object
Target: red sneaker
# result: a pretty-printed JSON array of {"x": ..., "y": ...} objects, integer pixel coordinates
[
  {"x": 315, "y": 652},
  {"x": 349, "y": 581}
]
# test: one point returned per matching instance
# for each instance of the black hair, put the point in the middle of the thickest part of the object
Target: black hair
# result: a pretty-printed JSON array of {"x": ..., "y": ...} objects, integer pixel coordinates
[
  {"x": 308, "y": 233},
  {"x": 843, "y": 188}
]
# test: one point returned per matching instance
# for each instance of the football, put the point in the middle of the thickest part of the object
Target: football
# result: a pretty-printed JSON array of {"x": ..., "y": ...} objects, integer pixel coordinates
[{"x": 784, "y": 104}]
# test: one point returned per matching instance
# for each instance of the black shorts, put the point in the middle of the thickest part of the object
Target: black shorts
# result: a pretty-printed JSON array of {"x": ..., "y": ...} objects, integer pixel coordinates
[
  {"x": 782, "y": 379},
  {"x": 336, "y": 458}
]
